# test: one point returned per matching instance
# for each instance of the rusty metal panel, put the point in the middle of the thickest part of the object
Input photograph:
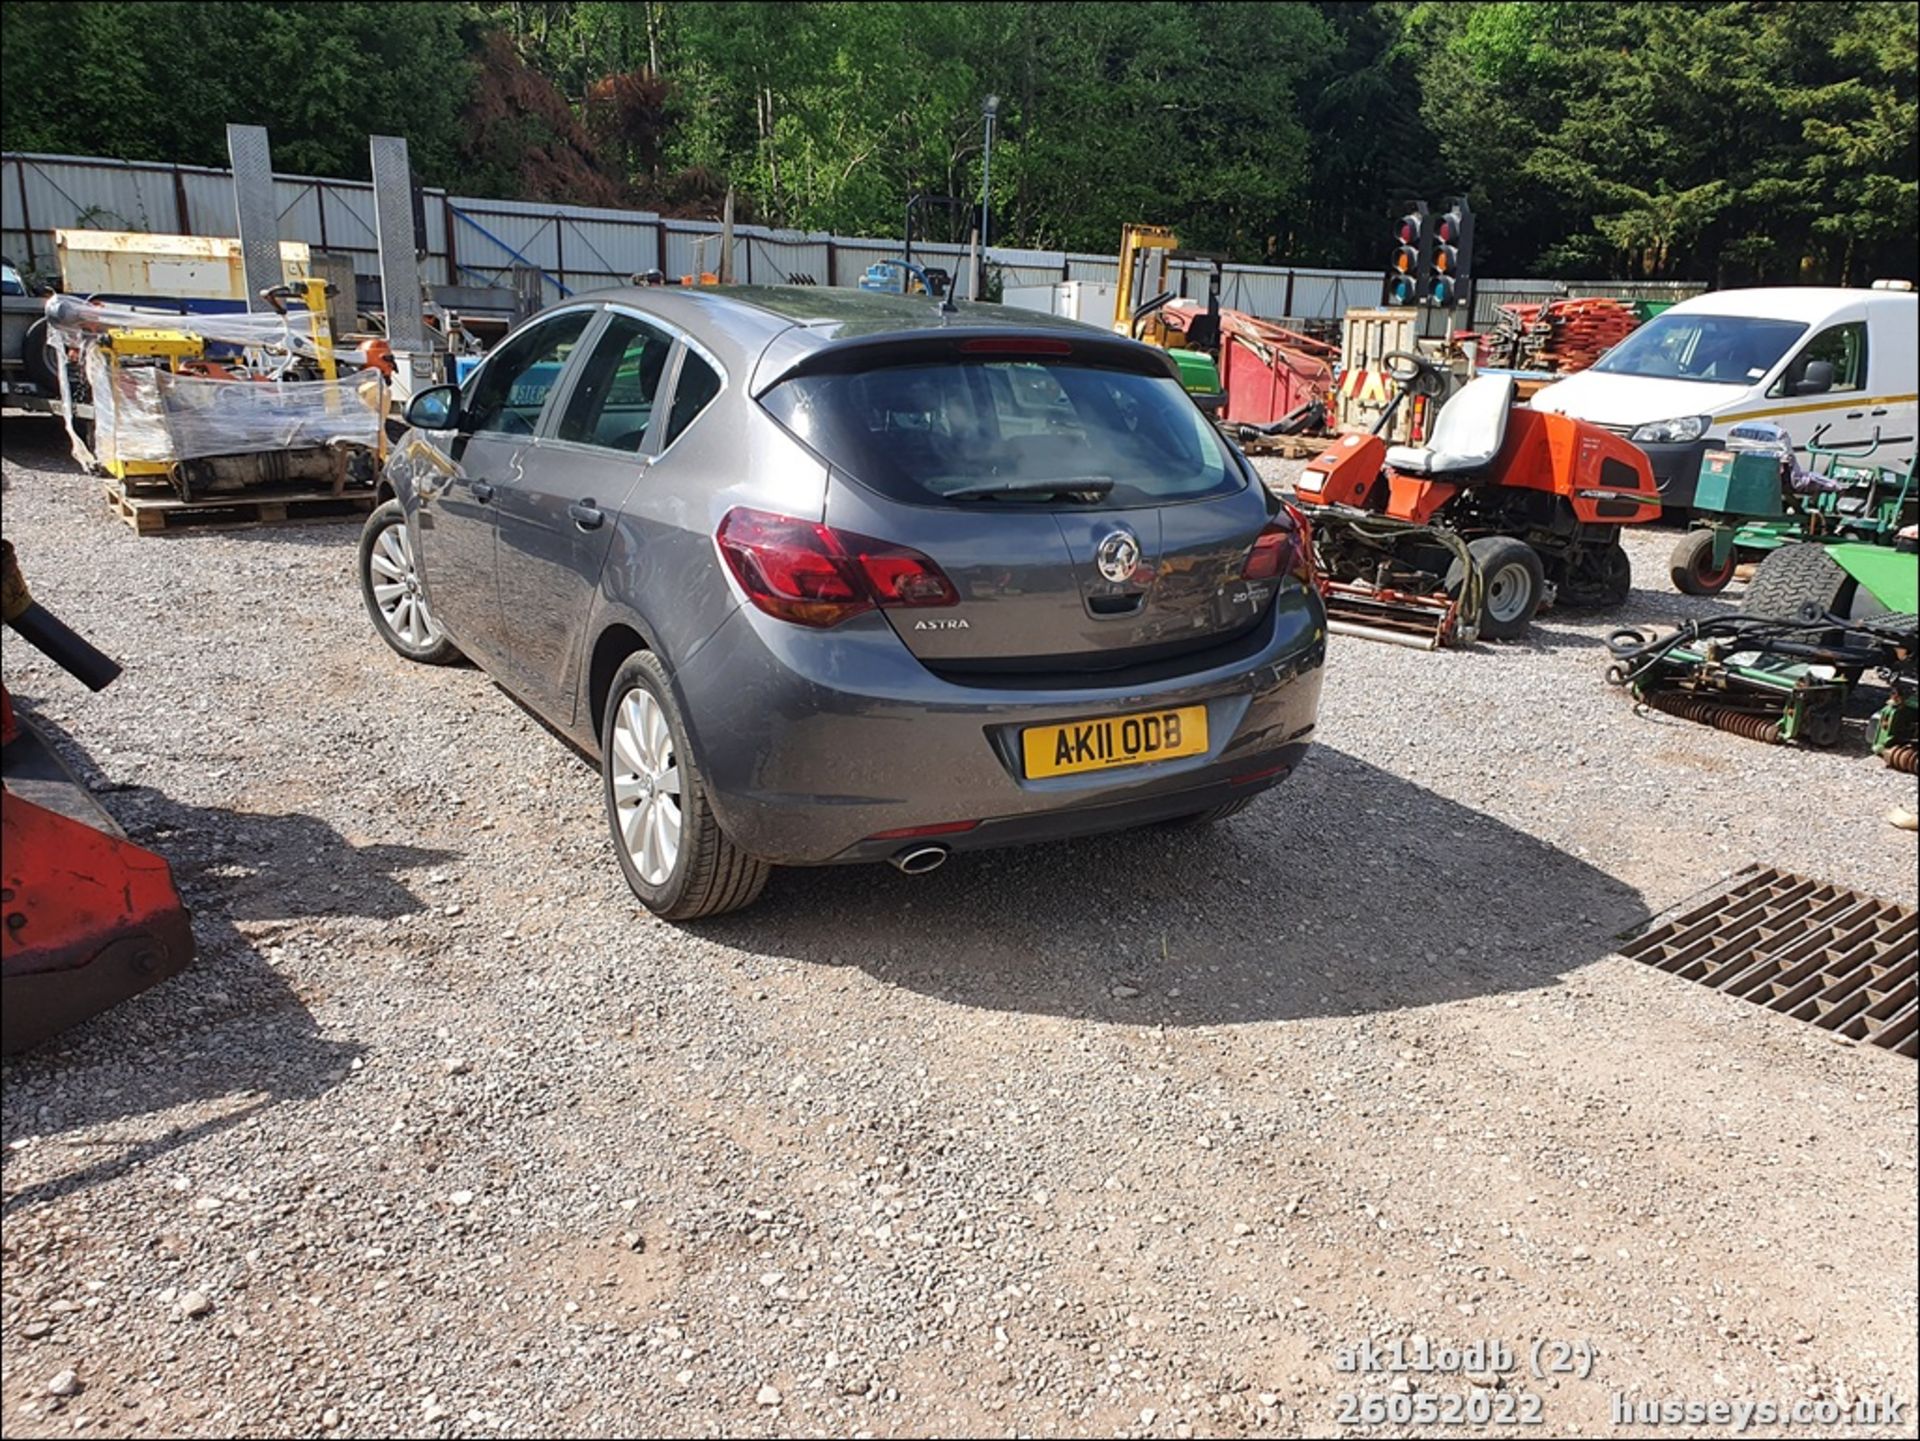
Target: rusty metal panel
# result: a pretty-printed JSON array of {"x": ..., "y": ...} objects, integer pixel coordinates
[
  {"x": 256, "y": 210},
  {"x": 1836, "y": 958},
  {"x": 399, "y": 265}
]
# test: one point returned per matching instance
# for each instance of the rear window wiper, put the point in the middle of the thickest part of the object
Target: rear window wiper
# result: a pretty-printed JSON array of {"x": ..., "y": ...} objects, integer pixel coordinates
[{"x": 1091, "y": 486}]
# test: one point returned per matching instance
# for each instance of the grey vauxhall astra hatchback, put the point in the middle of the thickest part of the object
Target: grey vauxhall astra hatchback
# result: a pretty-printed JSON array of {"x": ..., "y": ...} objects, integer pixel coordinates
[{"x": 826, "y": 576}]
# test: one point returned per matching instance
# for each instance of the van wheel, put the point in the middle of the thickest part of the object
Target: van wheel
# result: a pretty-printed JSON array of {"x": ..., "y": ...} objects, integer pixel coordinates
[{"x": 670, "y": 847}]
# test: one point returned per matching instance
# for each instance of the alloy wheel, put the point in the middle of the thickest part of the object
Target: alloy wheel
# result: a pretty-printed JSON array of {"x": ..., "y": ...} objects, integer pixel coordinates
[
  {"x": 397, "y": 590},
  {"x": 646, "y": 786}
]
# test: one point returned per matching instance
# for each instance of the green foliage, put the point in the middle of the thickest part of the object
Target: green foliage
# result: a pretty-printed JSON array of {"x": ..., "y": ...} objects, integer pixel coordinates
[
  {"x": 161, "y": 81},
  {"x": 1731, "y": 141},
  {"x": 1734, "y": 141}
]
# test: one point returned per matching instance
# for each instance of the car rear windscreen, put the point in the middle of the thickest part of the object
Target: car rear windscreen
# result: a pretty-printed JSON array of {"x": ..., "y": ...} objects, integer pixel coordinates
[{"x": 925, "y": 430}]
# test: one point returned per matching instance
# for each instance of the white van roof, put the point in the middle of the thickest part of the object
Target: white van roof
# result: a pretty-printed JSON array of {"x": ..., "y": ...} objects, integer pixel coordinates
[{"x": 1808, "y": 303}]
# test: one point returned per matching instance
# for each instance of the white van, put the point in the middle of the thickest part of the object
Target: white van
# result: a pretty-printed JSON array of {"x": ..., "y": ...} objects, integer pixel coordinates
[{"x": 1833, "y": 366}]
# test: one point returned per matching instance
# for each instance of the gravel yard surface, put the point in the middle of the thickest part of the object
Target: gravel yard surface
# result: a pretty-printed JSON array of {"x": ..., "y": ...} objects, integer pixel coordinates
[{"x": 441, "y": 1134}]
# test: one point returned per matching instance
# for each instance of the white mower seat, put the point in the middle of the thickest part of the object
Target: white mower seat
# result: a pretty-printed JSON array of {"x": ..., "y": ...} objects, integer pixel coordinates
[{"x": 1467, "y": 435}]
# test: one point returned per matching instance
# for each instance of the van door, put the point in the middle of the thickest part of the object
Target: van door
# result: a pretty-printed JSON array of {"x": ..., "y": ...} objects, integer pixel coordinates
[
  {"x": 1820, "y": 395},
  {"x": 1893, "y": 377}
]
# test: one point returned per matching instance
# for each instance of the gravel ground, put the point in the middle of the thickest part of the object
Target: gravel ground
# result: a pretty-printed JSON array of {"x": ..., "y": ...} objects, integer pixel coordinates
[{"x": 441, "y": 1134}]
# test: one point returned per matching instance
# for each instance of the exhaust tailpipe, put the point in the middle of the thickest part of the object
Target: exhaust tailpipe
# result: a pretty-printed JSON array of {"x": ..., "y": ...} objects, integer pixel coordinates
[{"x": 918, "y": 860}]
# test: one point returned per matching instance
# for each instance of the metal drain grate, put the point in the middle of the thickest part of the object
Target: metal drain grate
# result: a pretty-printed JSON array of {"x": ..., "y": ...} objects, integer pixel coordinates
[{"x": 1845, "y": 961}]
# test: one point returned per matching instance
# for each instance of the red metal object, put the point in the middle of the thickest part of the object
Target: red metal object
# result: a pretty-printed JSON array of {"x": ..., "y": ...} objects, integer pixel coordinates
[
  {"x": 89, "y": 919},
  {"x": 1267, "y": 370}
]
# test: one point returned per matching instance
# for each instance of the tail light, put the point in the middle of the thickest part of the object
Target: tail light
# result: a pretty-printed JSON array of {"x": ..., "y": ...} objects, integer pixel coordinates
[
  {"x": 1283, "y": 548},
  {"x": 812, "y": 574}
]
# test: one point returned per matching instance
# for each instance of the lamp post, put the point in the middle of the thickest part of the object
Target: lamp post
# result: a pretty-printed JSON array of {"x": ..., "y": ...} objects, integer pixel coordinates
[{"x": 989, "y": 108}]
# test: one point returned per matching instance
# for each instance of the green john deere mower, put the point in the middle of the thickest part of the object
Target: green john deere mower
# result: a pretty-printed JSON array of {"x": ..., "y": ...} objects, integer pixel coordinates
[
  {"x": 1755, "y": 497},
  {"x": 1816, "y": 622}
]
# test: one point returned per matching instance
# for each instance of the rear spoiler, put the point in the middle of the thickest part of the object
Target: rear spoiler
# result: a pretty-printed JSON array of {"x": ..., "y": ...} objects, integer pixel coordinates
[{"x": 800, "y": 350}]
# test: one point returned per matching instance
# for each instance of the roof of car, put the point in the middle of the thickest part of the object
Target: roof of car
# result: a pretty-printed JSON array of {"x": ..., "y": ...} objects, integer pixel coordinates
[
  {"x": 840, "y": 312},
  {"x": 773, "y": 328},
  {"x": 1807, "y": 303}
]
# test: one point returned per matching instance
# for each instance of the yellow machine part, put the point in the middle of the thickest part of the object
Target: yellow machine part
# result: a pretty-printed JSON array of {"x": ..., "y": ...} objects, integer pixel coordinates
[
  {"x": 159, "y": 344},
  {"x": 1136, "y": 240}
]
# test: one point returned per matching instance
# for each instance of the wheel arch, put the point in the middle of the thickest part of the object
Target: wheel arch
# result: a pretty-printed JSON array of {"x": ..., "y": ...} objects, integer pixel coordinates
[{"x": 620, "y": 637}]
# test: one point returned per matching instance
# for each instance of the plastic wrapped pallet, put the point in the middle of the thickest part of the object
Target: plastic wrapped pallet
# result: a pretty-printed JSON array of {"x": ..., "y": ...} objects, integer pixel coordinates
[
  {"x": 146, "y": 413},
  {"x": 149, "y": 414}
]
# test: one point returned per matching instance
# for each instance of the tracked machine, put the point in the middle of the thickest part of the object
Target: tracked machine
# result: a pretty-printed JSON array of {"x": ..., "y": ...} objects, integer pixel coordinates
[{"x": 1503, "y": 511}]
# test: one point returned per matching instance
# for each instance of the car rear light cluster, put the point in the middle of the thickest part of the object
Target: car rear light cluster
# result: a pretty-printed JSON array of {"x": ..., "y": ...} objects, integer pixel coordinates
[
  {"x": 812, "y": 574},
  {"x": 1283, "y": 548}
]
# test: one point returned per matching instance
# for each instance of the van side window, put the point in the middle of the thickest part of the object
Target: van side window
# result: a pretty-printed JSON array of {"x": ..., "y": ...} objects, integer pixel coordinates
[{"x": 1842, "y": 348}]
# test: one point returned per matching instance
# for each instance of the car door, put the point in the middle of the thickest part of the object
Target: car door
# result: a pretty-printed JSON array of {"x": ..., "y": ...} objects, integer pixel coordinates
[
  {"x": 500, "y": 412},
  {"x": 557, "y": 514}
]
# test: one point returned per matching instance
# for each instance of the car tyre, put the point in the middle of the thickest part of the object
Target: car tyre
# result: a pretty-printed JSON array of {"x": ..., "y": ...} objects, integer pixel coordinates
[
  {"x": 666, "y": 838},
  {"x": 390, "y": 585}
]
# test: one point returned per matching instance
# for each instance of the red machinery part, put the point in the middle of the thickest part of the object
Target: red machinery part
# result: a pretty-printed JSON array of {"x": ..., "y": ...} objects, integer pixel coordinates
[{"x": 86, "y": 920}]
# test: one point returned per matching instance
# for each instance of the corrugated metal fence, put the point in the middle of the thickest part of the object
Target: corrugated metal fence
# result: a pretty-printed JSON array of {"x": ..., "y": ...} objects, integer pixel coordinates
[{"x": 575, "y": 248}]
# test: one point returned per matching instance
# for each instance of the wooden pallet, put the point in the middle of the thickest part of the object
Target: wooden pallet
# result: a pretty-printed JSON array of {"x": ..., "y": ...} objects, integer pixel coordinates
[
  {"x": 1289, "y": 447},
  {"x": 151, "y": 513}
]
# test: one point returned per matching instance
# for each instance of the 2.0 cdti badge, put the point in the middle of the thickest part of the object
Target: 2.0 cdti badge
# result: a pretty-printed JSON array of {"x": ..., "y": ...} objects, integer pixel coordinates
[{"x": 824, "y": 576}]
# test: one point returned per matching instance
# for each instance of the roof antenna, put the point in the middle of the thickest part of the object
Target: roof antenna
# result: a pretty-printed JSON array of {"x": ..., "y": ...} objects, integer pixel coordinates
[{"x": 920, "y": 273}]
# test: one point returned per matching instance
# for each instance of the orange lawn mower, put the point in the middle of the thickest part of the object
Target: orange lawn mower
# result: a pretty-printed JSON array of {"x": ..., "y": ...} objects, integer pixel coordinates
[{"x": 1504, "y": 511}]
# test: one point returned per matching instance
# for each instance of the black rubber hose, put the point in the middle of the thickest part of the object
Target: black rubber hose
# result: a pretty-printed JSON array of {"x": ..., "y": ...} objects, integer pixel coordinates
[{"x": 66, "y": 648}]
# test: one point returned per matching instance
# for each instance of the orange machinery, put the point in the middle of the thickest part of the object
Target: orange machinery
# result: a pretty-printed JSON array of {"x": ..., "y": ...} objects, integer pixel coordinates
[
  {"x": 87, "y": 918},
  {"x": 1503, "y": 511}
]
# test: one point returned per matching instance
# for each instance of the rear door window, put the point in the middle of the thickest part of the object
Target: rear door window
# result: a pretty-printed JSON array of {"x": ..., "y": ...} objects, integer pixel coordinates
[
  {"x": 698, "y": 384},
  {"x": 507, "y": 394},
  {"x": 612, "y": 402},
  {"x": 918, "y": 432}
]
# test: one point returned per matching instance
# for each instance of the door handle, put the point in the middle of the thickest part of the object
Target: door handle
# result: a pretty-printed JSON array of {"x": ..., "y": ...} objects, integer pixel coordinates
[
  {"x": 586, "y": 515},
  {"x": 482, "y": 491}
]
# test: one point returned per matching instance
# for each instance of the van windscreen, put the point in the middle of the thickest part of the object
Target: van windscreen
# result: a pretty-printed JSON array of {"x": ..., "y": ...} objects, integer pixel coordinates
[{"x": 1725, "y": 349}]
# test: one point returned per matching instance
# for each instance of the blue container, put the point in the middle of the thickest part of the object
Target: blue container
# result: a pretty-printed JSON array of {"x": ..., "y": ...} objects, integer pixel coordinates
[{"x": 463, "y": 366}]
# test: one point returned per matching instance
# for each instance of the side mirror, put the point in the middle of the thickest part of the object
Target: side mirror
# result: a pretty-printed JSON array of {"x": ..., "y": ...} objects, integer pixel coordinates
[
  {"x": 1817, "y": 381},
  {"x": 435, "y": 408}
]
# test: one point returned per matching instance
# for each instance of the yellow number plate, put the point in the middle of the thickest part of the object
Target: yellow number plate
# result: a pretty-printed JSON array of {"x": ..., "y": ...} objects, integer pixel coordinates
[{"x": 1121, "y": 740}]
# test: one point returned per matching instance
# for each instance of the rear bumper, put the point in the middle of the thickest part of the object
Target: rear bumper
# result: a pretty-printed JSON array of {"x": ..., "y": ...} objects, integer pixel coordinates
[{"x": 814, "y": 741}]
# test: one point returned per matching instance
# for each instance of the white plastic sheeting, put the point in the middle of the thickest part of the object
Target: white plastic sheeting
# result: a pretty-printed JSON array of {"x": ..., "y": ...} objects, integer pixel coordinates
[
  {"x": 148, "y": 413},
  {"x": 81, "y": 321}
]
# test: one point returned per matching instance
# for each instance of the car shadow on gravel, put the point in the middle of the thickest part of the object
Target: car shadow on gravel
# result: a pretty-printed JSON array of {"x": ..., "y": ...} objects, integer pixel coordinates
[
  {"x": 231, "y": 1031},
  {"x": 1347, "y": 891}
]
